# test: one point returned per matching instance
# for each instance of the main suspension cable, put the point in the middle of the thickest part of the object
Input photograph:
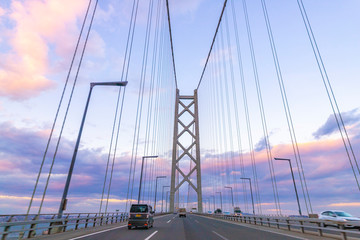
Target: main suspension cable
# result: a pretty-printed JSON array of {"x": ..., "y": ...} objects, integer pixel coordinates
[
  {"x": 212, "y": 44},
  {"x": 171, "y": 41}
]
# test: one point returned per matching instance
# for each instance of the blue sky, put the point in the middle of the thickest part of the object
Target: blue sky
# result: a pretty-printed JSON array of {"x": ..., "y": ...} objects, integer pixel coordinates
[{"x": 36, "y": 44}]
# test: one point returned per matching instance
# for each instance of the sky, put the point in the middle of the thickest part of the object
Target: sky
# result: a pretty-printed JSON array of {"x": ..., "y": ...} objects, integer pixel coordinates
[{"x": 37, "y": 41}]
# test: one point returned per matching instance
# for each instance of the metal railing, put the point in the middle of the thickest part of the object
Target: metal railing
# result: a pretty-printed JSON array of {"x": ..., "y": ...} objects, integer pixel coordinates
[
  {"x": 18, "y": 226},
  {"x": 296, "y": 224}
]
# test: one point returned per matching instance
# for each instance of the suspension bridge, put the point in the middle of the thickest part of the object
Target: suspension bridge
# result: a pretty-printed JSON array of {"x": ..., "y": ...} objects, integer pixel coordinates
[{"x": 240, "y": 151}]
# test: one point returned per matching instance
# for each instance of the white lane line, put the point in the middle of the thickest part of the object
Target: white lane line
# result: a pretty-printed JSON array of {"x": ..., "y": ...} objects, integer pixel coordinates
[
  {"x": 168, "y": 221},
  {"x": 222, "y": 237},
  {"x": 151, "y": 235},
  {"x": 107, "y": 230},
  {"x": 90, "y": 234},
  {"x": 197, "y": 221},
  {"x": 264, "y": 230}
]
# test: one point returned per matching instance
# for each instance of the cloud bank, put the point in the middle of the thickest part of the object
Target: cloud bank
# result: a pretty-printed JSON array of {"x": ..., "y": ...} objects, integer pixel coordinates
[
  {"x": 331, "y": 125},
  {"x": 35, "y": 27}
]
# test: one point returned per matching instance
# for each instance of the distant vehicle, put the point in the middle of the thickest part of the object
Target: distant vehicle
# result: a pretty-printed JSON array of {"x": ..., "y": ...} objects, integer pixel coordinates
[
  {"x": 141, "y": 215},
  {"x": 338, "y": 216},
  {"x": 218, "y": 211},
  {"x": 237, "y": 211},
  {"x": 182, "y": 212}
]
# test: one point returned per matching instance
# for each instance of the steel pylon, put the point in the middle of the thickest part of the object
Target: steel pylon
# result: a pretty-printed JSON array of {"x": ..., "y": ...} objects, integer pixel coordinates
[{"x": 191, "y": 129}]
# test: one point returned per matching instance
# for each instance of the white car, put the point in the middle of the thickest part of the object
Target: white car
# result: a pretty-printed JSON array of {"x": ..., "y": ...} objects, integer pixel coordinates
[{"x": 339, "y": 216}]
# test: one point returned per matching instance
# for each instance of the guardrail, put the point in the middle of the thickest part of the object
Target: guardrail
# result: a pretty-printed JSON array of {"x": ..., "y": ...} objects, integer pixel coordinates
[
  {"x": 298, "y": 224},
  {"x": 19, "y": 226}
]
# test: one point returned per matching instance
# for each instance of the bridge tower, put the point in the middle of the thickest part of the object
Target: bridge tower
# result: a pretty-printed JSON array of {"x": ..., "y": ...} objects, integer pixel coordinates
[{"x": 189, "y": 136}]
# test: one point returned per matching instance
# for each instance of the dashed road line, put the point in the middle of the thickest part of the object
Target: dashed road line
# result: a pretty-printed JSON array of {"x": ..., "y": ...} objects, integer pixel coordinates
[
  {"x": 264, "y": 230},
  {"x": 151, "y": 235},
  {"x": 169, "y": 221},
  {"x": 220, "y": 236}
]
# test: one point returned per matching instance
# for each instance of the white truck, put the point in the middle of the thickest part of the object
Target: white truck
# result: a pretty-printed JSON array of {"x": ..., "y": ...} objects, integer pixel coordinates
[{"x": 237, "y": 211}]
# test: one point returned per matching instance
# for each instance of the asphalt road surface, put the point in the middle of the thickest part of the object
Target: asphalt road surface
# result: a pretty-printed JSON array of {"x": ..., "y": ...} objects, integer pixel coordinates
[{"x": 192, "y": 227}]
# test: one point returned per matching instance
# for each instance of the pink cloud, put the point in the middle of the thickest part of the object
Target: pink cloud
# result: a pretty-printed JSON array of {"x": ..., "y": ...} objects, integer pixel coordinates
[
  {"x": 38, "y": 24},
  {"x": 6, "y": 166},
  {"x": 349, "y": 204},
  {"x": 2, "y": 12}
]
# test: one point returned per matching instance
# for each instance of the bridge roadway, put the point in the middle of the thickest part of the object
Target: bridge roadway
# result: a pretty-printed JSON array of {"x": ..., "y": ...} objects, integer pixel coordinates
[{"x": 172, "y": 227}]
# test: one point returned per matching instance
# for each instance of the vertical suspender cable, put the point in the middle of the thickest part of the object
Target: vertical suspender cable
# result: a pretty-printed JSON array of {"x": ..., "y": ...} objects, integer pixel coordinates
[
  {"x": 140, "y": 97},
  {"x": 252, "y": 51},
  {"x": 236, "y": 110},
  {"x": 227, "y": 95},
  {"x": 244, "y": 95},
  {"x": 58, "y": 110},
  {"x": 325, "y": 78},
  {"x": 287, "y": 109},
  {"x": 115, "y": 147},
  {"x": 151, "y": 94},
  {"x": 126, "y": 76},
  {"x": 126, "y": 62},
  {"x": 68, "y": 106}
]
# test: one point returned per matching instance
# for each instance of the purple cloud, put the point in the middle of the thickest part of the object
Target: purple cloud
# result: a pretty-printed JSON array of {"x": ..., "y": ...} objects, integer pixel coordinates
[{"x": 331, "y": 126}]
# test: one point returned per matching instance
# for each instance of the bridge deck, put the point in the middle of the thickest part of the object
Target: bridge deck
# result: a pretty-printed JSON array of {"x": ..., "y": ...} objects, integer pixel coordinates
[{"x": 192, "y": 227}]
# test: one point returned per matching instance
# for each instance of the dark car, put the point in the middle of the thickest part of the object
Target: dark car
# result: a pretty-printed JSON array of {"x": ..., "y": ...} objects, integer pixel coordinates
[{"x": 141, "y": 215}]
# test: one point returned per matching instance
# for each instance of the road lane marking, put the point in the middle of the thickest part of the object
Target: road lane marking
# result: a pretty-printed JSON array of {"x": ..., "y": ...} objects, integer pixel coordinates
[
  {"x": 222, "y": 237},
  {"x": 151, "y": 235},
  {"x": 197, "y": 221},
  {"x": 168, "y": 221},
  {"x": 253, "y": 227},
  {"x": 107, "y": 230},
  {"x": 90, "y": 234}
]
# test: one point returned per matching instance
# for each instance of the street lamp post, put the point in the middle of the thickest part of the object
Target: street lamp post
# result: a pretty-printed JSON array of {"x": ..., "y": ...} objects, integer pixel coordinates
[
  {"x": 207, "y": 200},
  {"x": 252, "y": 198},
  {"x": 162, "y": 197},
  {"x": 142, "y": 167},
  {"x": 292, "y": 174},
  {"x": 213, "y": 201},
  {"x": 166, "y": 201},
  {"x": 63, "y": 202},
  {"x": 232, "y": 196},
  {"x": 156, "y": 190},
  {"x": 220, "y": 201}
]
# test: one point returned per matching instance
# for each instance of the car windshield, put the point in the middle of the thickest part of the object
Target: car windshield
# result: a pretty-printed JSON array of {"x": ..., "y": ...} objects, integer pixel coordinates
[
  {"x": 139, "y": 208},
  {"x": 343, "y": 214}
]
